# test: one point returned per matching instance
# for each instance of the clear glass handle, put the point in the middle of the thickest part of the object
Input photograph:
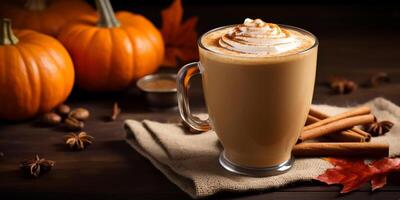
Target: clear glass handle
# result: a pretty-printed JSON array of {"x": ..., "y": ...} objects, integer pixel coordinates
[{"x": 183, "y": 83}]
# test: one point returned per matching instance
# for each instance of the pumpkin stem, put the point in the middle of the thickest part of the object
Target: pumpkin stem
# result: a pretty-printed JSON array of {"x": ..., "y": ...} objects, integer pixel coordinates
[
  {"x": 36, "y": 5},
  {"x": 106, "y": 13},
  {"x": 7, "y": 36}
]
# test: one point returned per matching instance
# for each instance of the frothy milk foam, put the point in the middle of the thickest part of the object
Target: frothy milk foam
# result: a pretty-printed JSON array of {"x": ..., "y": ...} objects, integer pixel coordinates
[
  {"x": 256, "y": 38},
  {"x": 258, "y": 81}
]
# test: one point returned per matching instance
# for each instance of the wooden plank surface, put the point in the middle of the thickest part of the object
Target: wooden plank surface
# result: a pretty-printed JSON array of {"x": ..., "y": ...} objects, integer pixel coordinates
[{"x": 111, "y": 169}]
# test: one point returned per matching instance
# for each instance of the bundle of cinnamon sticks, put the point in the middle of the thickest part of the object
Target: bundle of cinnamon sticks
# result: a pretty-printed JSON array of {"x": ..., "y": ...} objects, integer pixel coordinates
[{"x": 341, "y": 137}]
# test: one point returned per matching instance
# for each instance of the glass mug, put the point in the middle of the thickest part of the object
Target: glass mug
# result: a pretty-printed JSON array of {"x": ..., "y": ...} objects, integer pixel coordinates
[{"x": 257, "y": 105}]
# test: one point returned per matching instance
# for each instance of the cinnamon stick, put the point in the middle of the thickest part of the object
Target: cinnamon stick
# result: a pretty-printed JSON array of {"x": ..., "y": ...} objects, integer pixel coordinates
[
  {"x": 312, "y": 119},
  {"x": 351, "y": 113},
  {"x": 361, "y": 132},
  {"x": 339, "y": 149},
  {"x": 319, "y": 115},
  {"x": 348, "y": 136},
  {"x": 335, "y": 126},
  {"x": 342, "y": 136}
]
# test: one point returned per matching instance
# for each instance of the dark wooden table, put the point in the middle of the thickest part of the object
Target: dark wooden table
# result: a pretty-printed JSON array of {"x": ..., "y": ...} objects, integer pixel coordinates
[{"x": 355, "y": 42}]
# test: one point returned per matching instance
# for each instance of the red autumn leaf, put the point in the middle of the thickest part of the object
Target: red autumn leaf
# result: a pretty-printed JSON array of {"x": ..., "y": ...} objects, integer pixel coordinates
[
  {"x": 385, "y": 166},
  {"x": 352, "y": 174},
  {"x": 378, "y": 182},
  {"x": 180, "y": 38}
]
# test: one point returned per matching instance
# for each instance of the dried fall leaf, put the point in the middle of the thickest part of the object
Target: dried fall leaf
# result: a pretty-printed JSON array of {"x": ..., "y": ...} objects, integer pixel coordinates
[
  {"x": 378, "y": 182},
  {"x": 385, "y": 167},
  {"x": 352, "y": 174},
  {"x": 180, "y": 38}
]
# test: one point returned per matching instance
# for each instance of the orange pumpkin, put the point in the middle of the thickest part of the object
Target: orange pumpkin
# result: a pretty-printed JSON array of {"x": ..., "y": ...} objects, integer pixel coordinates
[
  {"x": 111, "y": 51},
  {"x": 36, "y": 73},
  {"x": 46, "y": 16}
]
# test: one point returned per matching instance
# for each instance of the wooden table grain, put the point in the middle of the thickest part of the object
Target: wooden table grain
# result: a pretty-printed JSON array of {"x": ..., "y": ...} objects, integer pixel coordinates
[{"x": 355, "y": 42}]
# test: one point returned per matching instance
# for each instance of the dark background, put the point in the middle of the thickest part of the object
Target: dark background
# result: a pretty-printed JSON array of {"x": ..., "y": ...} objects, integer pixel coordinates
[
  {"x": 316, "y": 16},
  {"x": 360, "y": 35}
]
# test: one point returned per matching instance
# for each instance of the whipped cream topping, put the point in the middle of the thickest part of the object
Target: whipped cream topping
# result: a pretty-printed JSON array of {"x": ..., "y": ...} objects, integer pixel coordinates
[{"x": 259, "y": 38}]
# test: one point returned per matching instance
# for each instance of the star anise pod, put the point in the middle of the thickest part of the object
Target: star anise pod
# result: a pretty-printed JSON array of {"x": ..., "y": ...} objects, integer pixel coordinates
[
  {"x": 36, "y": 167},
  {"x": 78, "y": 142},
  {"x": 379, "y": 128},
  {"x": 342, "y": 85}
]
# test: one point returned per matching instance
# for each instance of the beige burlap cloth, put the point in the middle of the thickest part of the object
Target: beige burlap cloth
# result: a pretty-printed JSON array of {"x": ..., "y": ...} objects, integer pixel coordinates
[{"x": 191, "y": 160}]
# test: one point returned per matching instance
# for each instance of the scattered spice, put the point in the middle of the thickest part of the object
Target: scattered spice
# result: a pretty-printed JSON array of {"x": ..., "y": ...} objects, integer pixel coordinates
[
  {"x": 51, "y": 119},
  {"x": 115, "y": 112},
  {"x": 63, "y": 110},
  {"x": 36, "y": 167},
  {"x": 78, "y": 142},
  {"x": 379, "y": 128},
  {"x": 81, "y": 114},
  {"x": 73, "y": 120},
  {"x": 377, "y": 79},
  {"x": 342, "y": 86},
  {"x": 73, "y": 124}
]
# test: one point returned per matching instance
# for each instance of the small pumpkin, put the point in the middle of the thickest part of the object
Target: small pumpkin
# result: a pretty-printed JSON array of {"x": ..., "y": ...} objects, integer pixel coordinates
[
  {"x": 36, "y": 73},
  {"x": 111, "y": 51},
  {"x": 46, "y": 16}
]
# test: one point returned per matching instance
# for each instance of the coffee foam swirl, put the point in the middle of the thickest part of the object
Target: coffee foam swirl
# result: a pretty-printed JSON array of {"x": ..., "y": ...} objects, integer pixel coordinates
[{"x": 259, "y": 38}]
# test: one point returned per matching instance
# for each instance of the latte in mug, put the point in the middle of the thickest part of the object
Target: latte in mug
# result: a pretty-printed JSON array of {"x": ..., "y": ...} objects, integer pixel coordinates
[{"x": 258, "y": 81}]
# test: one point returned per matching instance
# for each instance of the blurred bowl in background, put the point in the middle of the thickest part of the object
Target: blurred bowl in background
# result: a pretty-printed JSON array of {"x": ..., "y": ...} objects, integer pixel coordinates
[{"x": 159, "y": 90}]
